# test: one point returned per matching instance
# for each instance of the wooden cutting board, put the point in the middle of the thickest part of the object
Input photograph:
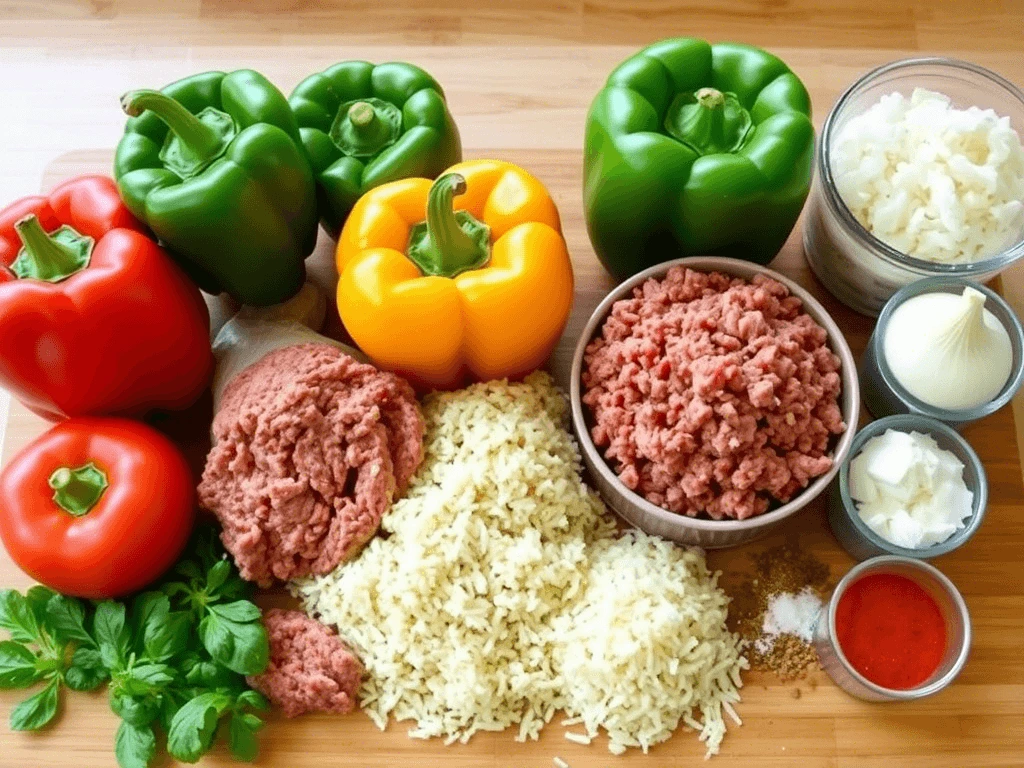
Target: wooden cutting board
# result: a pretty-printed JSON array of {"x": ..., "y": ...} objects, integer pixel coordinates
[{"x": 979, "y": 721}]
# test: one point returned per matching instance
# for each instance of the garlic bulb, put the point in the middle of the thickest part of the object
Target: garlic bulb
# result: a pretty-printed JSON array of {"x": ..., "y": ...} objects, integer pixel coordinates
[{"x": 948, "y": 350}]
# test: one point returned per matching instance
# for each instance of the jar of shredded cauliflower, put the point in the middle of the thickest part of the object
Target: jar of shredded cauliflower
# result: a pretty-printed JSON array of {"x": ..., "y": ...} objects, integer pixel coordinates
[{"x": 920, "y": 174}]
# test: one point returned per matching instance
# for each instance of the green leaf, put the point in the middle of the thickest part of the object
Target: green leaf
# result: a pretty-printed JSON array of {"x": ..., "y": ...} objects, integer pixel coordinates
[
  {"x": 241, "y": 611},
  {"x": 194, "y": 725},
  {"x": 111, "y": 633},
  {"x": 149, "y": 610},
  {"x": 210, "y": 674},
  {"x": 36, "y": 711},
  {"x": 86, "y": 672},
  {"x": 134, "y": 745},
  {"x": 242, "y": 648},
  {"x": 242, "y": 739},
  {"x": 137, "y": 710},
  {"x": 253, "y": 699},
  {"x": 217, "y": 575},
  {"x": 153, "y": 674},
  {"x": 168, "y": 638},
  {"x": 17, "y": 666},
  {"x": 65, "y": 617},
  {"x": 37, "y": 597},
  {"x": 17, "y": 618}
]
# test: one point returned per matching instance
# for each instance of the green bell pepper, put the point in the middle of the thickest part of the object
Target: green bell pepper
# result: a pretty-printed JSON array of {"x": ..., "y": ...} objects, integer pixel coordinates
[
  {"x": 214, "y": 165},
  {"x": 365, "y": 125},
  {"x": 696, "y": 149}
]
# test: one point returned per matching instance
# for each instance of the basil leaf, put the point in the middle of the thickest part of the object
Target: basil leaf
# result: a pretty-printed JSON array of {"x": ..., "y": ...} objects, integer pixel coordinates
[
  {"x": 37, "y": 597},
  {"x": 192, "y": 729},
  {"x": 217, "y": 575},
  {"x": 209, "y": 674},
  {"x": 65, "y": 617},
  {"x": 17, "y": 666},
  {"x": 17, "y": 618},
  {"x": 241, "y": 611},
  {"x": 242, "y": 739},
  {"x": 152, "y": 674},
  {"x": 36, "y": 711},
  {"x": 86, "y": 672},
  {"x": 253, "y": 699},
  {"x": 111, "y": 633},
  {"x": 134, "y": 745},
  {"x": 136, "y": 710},
  {"x": 149, "y": 610},
  {"x": 168, "y": 638},
  {"x": 242, "y": 648}
]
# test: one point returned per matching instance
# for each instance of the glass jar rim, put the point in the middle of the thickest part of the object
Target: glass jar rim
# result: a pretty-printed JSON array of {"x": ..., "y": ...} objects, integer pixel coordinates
[
  {"x": 845, "y": 216},
  {"x": 1006, "y": 316}
]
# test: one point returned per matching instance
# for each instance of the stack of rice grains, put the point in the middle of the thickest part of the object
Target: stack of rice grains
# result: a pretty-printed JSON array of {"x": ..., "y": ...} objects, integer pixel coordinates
[{"x": 501, "y": 593}]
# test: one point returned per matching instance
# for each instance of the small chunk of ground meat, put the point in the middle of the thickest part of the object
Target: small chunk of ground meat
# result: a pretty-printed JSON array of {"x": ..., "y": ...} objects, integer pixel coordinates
[
  {"x": 310, "y": 668},
  {"x": 713, "y": 396}
]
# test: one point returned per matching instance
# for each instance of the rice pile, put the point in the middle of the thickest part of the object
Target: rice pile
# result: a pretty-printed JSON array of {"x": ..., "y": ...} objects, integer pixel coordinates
[{"x": 500, "y": 595}]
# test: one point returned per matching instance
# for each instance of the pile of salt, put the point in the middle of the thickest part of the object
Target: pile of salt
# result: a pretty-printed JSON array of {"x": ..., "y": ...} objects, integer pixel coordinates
[{"x": 789, "y": 614}]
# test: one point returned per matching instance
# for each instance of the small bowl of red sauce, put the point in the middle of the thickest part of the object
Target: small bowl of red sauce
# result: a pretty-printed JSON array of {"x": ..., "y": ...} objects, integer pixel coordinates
[{"x": 895, "y": 629}]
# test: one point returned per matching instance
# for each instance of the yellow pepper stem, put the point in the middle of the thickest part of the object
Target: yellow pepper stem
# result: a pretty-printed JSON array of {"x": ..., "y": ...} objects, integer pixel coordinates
[{"x": 449, "y": 242}]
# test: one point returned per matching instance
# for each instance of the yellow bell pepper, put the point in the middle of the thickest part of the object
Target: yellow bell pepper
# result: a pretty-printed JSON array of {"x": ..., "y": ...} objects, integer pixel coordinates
[{"x": 467, "y": 277}]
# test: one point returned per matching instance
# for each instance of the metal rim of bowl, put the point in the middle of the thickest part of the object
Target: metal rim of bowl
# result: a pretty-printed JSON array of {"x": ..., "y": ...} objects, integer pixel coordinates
[
  {"x": 934, "y": 284},
  {"x": 958, "y": 600},
  {"x": 923, "y": 423},
  {"x": 728, "y": 266},
  {"x": 993, "y": 263}
]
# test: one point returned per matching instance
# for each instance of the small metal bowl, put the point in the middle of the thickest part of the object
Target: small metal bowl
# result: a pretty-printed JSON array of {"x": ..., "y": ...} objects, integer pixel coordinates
[
  {"x": 884, "y": 395},
  {"x": 951, "y": 604},
  {"x": 854, "y": 534},
  {"x": 710, "y": 534}
]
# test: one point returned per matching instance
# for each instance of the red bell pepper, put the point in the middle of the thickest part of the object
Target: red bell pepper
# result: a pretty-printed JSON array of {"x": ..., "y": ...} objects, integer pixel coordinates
[
  {"x": 95, "y": 318},
  {"x": 96, "y": 507}
]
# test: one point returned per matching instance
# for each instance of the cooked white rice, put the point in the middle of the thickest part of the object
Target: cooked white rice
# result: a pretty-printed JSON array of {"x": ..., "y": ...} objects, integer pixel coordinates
[{"x": 489, "y": 600}]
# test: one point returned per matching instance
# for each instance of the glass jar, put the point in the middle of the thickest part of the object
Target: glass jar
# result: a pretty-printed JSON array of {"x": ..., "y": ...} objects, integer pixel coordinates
[
  {"x": 856, "y": 267},
  {"x": 882, "y": 393}
]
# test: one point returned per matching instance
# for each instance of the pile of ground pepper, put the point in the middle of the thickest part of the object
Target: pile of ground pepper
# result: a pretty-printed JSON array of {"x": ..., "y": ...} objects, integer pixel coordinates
[{"x": 785, "y": 568}]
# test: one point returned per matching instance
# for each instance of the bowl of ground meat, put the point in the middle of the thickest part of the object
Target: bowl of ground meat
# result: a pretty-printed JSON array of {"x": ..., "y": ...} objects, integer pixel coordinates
[{"x": 713, "y": 398}]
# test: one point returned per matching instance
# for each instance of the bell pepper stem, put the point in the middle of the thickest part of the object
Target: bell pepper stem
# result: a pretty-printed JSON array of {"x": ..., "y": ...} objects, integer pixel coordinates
[
  {"x": 710, "y": 98},
  {"x": 200, "y": 139},
  {"x": 448, "y": 242},
  {"x": 49, "y": 257},
  {"x": 362, "y": 115},
  {"x": 77, "y": 491}
]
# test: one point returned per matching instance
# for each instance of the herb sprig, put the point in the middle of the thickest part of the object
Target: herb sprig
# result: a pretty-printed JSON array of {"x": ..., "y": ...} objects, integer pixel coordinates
[{"x": 175, "y": 658}]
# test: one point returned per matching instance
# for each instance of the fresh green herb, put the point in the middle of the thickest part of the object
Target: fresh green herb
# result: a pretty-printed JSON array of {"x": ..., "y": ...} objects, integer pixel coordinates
[
  {"x": 49, "y": 644},
  {"x": 175, "y": 658}
]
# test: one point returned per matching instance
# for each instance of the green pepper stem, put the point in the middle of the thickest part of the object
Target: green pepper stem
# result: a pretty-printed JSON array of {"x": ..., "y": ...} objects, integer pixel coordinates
[
  {"x": 77, "y": 491},
  {"x": 362, "y": 115},
  {"x": 49, "y": 257},
  {"x": 448, "y": 242},
  {"x": 199, "y": 139},
  {"x": 710, "y": 98}
]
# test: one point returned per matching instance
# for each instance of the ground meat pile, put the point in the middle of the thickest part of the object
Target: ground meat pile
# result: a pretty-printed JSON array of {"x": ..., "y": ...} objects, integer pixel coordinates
[
  {"x": 711, "y": 395},
  {"x": 310, "y": 448},
  {"x": 310, "y": 669}
]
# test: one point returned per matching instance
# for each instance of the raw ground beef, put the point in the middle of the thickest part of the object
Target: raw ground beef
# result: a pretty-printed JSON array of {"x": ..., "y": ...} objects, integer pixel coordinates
[
  {"x": 310, "y": 446},
  {"x": 711, "y": 395},
  {"x": 310, "y": 669}
]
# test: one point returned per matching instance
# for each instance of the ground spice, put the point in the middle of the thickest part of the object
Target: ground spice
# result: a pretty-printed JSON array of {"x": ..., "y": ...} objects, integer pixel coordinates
[{"x": 785, "y": 568}]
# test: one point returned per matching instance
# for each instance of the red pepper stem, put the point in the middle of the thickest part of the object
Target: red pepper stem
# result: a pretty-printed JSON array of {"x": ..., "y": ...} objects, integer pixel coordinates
[
  {"x": 77, "y": 491},
  {"x": 49, "y": 257},
  {"x": 201, "y": 140}
]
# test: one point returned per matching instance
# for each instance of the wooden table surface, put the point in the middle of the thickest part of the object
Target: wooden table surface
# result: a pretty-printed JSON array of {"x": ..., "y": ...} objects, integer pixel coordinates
[{"x": 519, "y": 77}]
